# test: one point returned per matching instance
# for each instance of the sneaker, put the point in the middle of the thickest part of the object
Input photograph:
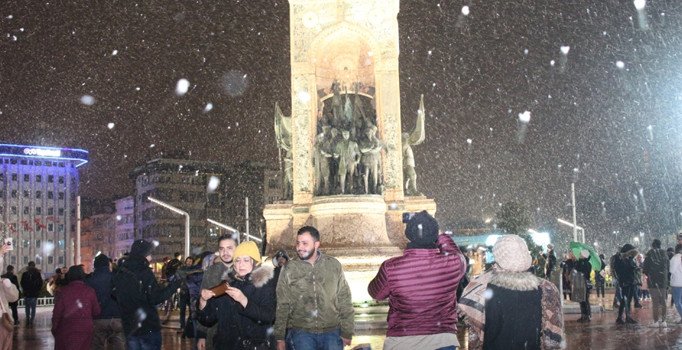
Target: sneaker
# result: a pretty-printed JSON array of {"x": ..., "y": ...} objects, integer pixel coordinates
[
  {"x": 620, "y": 321},
  {"x": 663, "y": 324},
  {"x": 655, "y": 324}
]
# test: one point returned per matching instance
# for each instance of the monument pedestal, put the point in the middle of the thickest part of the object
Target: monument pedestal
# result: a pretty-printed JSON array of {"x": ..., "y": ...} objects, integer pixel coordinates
[{"x": 361, "y": 231}]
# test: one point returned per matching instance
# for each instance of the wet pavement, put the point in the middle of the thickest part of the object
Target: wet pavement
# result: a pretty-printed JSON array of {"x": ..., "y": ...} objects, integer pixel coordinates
[{"x": 601, "y": 333}]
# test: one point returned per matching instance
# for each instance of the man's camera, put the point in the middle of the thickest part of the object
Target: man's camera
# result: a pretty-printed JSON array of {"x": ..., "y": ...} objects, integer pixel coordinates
[{"x": 407, "y": 217}]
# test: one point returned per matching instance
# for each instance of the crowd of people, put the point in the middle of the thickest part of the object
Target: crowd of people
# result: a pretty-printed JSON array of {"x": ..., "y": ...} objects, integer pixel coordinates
[{"x": 233, "y": 299}]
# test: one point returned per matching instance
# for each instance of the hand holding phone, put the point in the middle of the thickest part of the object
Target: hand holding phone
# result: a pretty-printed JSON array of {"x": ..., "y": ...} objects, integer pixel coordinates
[{"x": 8, "y": 243}]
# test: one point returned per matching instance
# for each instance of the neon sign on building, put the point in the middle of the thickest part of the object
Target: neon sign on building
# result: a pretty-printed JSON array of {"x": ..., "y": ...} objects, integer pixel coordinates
[{"x": 78, "y": 156}]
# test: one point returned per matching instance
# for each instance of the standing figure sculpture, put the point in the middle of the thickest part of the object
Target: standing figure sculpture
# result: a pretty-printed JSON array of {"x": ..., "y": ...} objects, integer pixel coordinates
[
  {"x": 413, "y": 138},
  {"x": 337, "y": 105},
  {"x": 283, "y": 134},
  {"x": 322, "y": 160},
  {"x": 348, "y": 155},
  {"x": 371, "y": 158}
]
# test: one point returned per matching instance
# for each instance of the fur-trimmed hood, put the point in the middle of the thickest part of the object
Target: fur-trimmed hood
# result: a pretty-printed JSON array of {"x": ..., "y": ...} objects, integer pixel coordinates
[
  {"x": 519, "y": 281},
  {"x": 259, "y": 276},
  {"x": 629, "y": 254}
]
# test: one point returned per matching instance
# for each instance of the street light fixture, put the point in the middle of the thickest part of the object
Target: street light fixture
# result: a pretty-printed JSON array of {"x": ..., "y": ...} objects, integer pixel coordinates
[
  {"x": 576, "y": 228},
  {"x": 177, "y": 211},
  {"x": 227, "y": 227}
]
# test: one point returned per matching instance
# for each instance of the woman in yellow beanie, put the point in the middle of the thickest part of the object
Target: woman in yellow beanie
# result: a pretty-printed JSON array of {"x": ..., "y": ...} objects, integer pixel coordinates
[{"x": 246, "y": 310}]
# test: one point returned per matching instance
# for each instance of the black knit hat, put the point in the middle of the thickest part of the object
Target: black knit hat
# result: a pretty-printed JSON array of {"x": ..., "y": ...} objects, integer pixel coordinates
[
  {"x": 141, "y": 248},
  {"x": 101, "y": 261},
  {"x": 422, "y": 228},
  {"x": 626, "y": 248}
]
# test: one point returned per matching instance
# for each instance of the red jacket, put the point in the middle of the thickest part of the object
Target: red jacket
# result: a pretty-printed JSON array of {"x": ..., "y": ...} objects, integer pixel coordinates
[
  {"x": 421, "y": 288},
  {"x": 75, "y": 306}
]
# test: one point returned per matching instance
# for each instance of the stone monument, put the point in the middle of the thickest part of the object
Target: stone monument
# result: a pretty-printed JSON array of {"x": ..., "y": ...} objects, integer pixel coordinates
[{"x": 345, "y": 90}]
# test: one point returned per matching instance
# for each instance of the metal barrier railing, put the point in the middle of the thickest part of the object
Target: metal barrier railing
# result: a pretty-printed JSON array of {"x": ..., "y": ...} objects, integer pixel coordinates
[{"x": 45, "y": 301}]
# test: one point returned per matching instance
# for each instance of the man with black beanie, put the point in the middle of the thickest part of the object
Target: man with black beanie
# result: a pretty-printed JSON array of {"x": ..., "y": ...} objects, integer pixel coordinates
[
  {"x": 624, "y": 267},
  {"x": 107, "y": 326},
  {"x": 421, "y": 284},
  {"x": 138, "y": 293}
]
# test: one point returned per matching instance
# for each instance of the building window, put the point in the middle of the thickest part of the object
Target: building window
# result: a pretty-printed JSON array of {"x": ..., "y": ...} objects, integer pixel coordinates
[
  {"x": 61, "y": 260},
  {"x": 2, "y": 194},
  {"x": 37, "y": 243},
  {"x": 60, "y": 212},
  {"x": 50, "y": 260},
  {"x": 60, "y": 229},
  {"x": 39, "y": 210},
  {"x": 25, "y": 210},
  {"x": 50, "y": 227},
  {"x": 39, "y": 178},
  {"x": 14, "y": 193},
  {"x": 39, "y": 194},
  {"x": 14, "y": 259},
  {"x": 50, "y": 195},
  {"x": 14, "y": 210},
  {"x": 14, "y": 177},
  {"x": 27, "y": 178},
  {"x": 25, "y": 260},
  {"x": 50, "y": 178},
  {"x": 50, "y": 211},
  {"x": 26, "y": 194},
  {"x": 61, "y": 179},
  {"x": 61, "y": 195}
]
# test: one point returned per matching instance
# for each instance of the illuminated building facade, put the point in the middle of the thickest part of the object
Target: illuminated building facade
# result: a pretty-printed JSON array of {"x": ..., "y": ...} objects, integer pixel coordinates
[{"x": 38, "y": 190}]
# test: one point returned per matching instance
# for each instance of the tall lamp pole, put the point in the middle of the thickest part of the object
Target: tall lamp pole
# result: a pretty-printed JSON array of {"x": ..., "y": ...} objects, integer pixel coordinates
[
  {"x": 177, "y": 211},
  {"x": 575, "y": 220},
  {"x": 575, "y": 230}
]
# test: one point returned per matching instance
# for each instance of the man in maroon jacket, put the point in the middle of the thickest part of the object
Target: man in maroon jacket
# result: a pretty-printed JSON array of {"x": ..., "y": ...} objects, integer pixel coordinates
[{"x": 421, "y": 288}]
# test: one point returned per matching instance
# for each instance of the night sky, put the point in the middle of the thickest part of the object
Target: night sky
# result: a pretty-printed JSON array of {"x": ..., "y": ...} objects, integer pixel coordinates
[{"x": 610, "y": 107}]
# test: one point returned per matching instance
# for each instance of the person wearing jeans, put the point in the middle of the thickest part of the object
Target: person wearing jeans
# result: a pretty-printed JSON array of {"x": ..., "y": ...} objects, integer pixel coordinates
[{"x": 31, "y": 283}]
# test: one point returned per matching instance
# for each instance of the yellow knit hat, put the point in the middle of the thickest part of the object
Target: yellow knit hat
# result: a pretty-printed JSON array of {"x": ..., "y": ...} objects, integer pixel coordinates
[{"x": 248, "y": 248}]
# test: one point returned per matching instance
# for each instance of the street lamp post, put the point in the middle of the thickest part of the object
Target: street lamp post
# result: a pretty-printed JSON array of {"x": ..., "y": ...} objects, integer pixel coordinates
[{"x": 177, "y": 211}]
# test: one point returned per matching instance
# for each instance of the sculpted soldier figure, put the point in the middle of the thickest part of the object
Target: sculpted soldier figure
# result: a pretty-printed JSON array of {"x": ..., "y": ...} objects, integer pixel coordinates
[
  {"x": 371, "y": 157},
  {"x": 348, "y": 155},
  {"x": 321, "y": 160}
]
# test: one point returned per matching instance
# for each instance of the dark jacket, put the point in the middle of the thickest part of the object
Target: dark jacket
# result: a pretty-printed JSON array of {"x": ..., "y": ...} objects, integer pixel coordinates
[
  {"x": 31, "y": 283},
  {"x": 74, "y": 308},
  {"x": 138, "y": 293},
  {"x": 584, "y": 267},
  {"x": 421, "y": 285},
  {"x": 656, "y": 266},
  {"x": 513, "y": 314},
  {"x": 101, "y": 282},
  {"x": 235, "y": 321},
  {"x": 625, "y": 267}
]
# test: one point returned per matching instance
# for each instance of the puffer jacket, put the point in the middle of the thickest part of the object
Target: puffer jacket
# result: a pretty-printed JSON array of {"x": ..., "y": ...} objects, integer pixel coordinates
[
  {"x": 676, "y": 270},
  {"x": 250, "y": 322},
  {"x": 656, "y": 266},
  {"x": 8, "y": 294},
  {"x": 421, "y": 287},
  {"x": 314, "y": 298}
]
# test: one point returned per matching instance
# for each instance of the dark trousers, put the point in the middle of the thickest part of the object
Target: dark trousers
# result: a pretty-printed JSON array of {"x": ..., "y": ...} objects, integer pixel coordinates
[
  {"x": 30, "y": 306},
  {"x": 626, "y": 300},
  {"x": 600, "y": 287},
  {"x": 149, "y": 341},
  {"x": 183, "y": 304},
  {"x": 15, "y": 314},
  {"x": 585, "y": 309}
]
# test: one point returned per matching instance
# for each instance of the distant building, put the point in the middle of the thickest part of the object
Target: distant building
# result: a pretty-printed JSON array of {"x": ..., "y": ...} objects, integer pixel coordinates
[
  {"x": 248, "y": 179},
  {"x": 98, "y": 235},
  {"x": 184, "y": 184},
  {"x": 38, "y": 190},
  {"x": 125, "y": 226}
]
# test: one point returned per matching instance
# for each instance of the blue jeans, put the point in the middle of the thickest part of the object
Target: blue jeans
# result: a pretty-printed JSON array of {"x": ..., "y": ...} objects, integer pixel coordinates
[
  {"x": 677, "y": 299},
  {"x": 302, "y": 340},
  {"x": 30, "y": 305},
  {"x": 149, "y": 341}
]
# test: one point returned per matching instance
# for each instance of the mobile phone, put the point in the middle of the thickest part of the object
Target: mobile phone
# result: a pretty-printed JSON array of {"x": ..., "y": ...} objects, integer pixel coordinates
[{"x": 8, "y": 243}]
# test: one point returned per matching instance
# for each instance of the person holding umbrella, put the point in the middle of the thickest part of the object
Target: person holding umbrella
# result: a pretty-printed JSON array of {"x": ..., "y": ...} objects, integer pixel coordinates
[{"x": 589, "y": 259}]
